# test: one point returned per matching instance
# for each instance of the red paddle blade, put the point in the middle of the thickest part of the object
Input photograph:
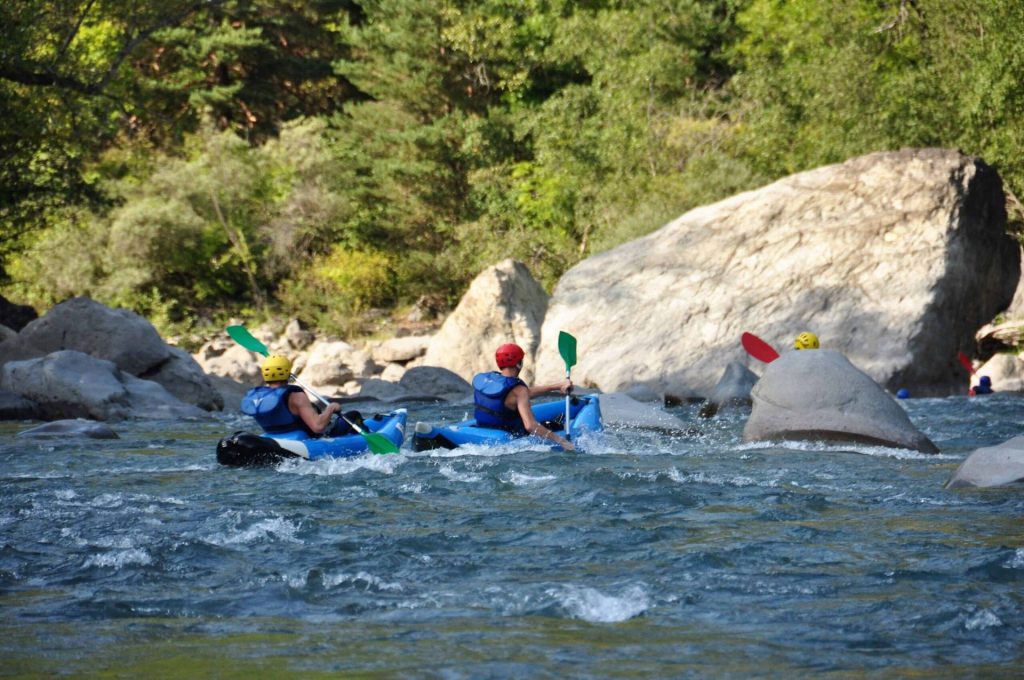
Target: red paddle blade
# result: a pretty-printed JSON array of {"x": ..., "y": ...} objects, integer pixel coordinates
[
  {"x": 758, "y": 348},
  {"x": 965, "y": 361}
]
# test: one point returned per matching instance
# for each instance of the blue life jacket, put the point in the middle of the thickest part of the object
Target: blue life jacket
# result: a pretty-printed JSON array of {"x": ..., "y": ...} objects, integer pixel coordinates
[
  {"x": 269, "y": 406},
  {"x": 489, "y": 392}
]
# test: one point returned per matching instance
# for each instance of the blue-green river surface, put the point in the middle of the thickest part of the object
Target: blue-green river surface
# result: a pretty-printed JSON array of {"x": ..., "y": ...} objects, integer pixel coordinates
[{"x": 651, "y": 555}]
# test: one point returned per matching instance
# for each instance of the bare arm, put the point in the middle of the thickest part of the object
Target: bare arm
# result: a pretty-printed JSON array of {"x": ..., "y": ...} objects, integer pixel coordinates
[
  {"x": 564, "y": 386},
  {"x": 298, "y": 403},
  {"x": 521, "y": 396}
]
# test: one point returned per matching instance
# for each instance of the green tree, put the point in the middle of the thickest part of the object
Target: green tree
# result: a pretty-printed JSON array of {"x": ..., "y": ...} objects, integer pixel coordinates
[
  {"x": 78, "y": 77},
  {"x": 819, "y": 83}
]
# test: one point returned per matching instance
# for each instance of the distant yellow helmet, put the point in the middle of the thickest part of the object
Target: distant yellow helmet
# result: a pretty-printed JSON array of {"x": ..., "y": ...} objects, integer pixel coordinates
[
  {"x": 276, "y": 368},
  {"x": 806, "y": 341}
]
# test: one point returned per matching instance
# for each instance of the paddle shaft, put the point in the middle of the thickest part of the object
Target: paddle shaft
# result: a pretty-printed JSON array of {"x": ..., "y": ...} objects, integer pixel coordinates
[{"x": 568, "y": 421}]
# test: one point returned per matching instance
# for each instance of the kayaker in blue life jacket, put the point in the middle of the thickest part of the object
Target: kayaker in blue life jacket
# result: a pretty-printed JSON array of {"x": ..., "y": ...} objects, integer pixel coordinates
[
  {"x": 502, "y": 400},
  {"x": 279, "y": 407},
  {"x": 984, "y": 386}
]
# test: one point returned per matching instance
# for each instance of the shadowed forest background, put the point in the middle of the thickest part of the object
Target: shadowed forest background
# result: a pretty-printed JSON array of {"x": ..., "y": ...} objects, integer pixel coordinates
[{"x": 342, "y": 161}]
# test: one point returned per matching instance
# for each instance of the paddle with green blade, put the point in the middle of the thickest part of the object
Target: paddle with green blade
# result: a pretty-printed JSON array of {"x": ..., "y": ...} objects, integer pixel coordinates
[
  {"x": 377, "y": 443},
  {"x": 567, "y": 348}
]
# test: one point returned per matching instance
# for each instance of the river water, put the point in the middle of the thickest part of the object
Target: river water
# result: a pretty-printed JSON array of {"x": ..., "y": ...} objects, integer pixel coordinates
[{"x": 649, "y": 556}]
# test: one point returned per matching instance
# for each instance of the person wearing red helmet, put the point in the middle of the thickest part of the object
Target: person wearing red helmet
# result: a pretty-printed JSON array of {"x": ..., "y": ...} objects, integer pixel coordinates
[{"x": 502, "y": 400}]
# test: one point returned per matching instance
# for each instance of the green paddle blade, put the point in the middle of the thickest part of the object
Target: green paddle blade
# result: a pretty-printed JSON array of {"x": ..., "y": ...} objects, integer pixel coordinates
[
  {"x": 243, "y": 337},
  {"x": 567, "y": 348},
  {"x": 378, "y": 443}
]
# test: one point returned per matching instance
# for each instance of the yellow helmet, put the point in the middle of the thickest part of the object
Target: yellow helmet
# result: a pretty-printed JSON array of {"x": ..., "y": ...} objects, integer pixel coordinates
[
  {"x": 276, "y": 368},
  {"x": 806, "y": 341}
]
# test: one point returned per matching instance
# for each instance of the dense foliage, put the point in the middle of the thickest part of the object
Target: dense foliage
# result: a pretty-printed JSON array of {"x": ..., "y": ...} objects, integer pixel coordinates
[{"x": 197, "y": 158}]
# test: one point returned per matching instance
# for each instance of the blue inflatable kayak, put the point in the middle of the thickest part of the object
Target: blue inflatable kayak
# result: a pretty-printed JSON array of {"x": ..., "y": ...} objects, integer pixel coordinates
[
  {"x": 584, "y": 412},
  {"x": 245, "y": 448}
]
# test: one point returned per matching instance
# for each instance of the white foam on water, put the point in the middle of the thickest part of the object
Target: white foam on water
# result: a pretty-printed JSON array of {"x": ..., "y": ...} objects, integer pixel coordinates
[
  {"x": 719, "y": 480},
  {"x": 124, "y": 543},
  {"x": 1017, "y": 561},
  {"x": 65, "y": 494},
  {"x": 108, "y": 500},
  {"x": 844, "y": 447},
  {"x": 448, "y": 472},
  {"x": 484, "y": 450},
  {"x": 923, "y": 500},
  {"x": 119, "y": 558},
  {"x": 273, "y": 528},
  {"x": 521, "y": 479},
  {"x": 364, "y": 581},
  {"x": 327, "y": 467},
  {"x": 981, "y": 619},
  {"x": 596, "y": 607}
]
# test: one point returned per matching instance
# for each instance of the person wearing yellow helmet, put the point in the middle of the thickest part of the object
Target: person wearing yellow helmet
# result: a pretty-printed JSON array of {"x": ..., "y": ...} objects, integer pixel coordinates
[
  {"x": 279, "y": 407},
  {"x": 806, "y": 341}
]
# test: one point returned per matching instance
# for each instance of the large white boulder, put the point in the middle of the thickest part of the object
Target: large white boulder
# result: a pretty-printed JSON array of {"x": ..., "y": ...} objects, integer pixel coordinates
[
  {"x": 399, "y": 350},
  {"x": 332, "y": 364},
  {"x": 991, "y": 466},
  {"x": 503, "y": 304},
  {"x": 225, "y": 358},
  {"x": 820, "y": 395},
  {"x": 894, "y": 259}
]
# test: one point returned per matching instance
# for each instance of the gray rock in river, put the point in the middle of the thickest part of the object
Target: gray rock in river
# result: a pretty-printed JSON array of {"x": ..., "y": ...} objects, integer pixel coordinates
[
  {"x": 820, "y": 395},
  {"x": 991, "y": 466},
  {"x": 436, "y": 381},
  {"x": 733, "y": 389},
  {"x": 118, "y": 335},
  {"x": 71, "y": 384}
]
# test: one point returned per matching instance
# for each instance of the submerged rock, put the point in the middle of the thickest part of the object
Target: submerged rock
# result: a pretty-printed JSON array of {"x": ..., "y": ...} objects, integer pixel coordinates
[
  {"x": 819, "y": 394},
  {"x": 991, "y": 466},
  {"x": 79, "y": 427},
  {"x": 622, "y": 410},
  {"x": 733, "y": 389}
]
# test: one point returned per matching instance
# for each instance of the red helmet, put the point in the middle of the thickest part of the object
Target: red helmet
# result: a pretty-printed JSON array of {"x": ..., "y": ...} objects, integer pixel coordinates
[{"x": 509, "y": 355}]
